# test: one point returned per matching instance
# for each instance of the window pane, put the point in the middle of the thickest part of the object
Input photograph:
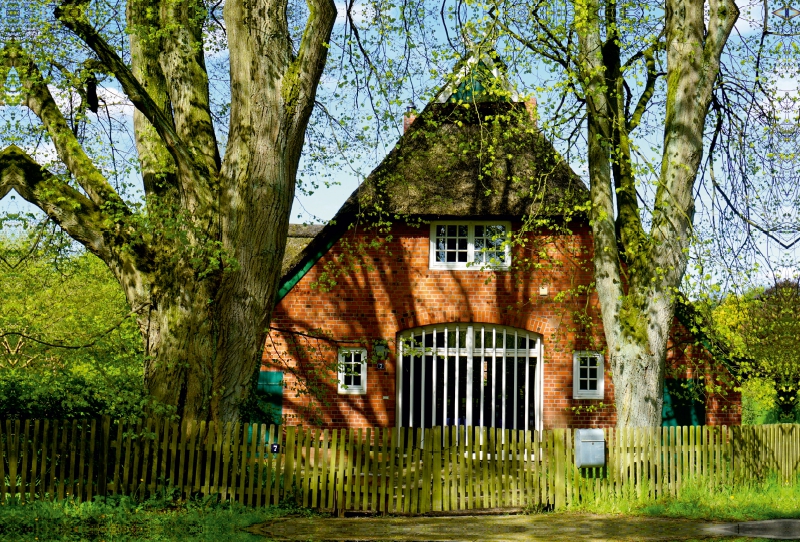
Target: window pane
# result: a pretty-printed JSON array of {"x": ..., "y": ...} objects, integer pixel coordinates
[
  {"x": 357, "y": 381},
  {"x": 462, "y": 257},
  {"x": 584, "y": 373},
  {"x": 593, "y": 372},
  {"x": 441, "y": 231},
  {"x": 452, "y": 231},
  {"x": 489, "y": 240},
  {"x": 495, "y": 230},
  {"x": 593, "y": 385},
  {"x": 582, "y": 385},
  {"x": 462, "y": 231}
]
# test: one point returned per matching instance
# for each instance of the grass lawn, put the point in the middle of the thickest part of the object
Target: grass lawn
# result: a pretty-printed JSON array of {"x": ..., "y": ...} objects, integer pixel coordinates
[
  {"x": 122, "y": 519},
  {"x": 163, "y": 519},
  {"x": 770, "y": 499}
]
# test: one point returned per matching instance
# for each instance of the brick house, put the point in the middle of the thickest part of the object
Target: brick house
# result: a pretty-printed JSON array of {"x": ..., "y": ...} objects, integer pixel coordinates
[{"x": 454, "y": 287}]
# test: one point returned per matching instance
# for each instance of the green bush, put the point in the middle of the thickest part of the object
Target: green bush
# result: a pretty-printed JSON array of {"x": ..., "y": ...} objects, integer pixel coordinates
[{"x": 71, "y": 347}]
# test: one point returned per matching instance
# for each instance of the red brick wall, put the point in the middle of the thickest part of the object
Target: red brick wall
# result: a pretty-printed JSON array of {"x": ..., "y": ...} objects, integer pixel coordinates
[{"x": 383, "y": 285}]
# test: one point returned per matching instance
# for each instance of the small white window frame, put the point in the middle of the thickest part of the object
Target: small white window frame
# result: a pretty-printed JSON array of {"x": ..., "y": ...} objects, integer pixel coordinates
[
  {"x": 470, "y": 263},
  {"x": 352, "y": 390},
  {"x": 578, "y": 393}
]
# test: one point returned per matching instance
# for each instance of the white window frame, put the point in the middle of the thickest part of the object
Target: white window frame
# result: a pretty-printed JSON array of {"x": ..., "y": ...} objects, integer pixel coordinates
[
  {"x": 352, "y": 390},
  {"x": 578, "y": 393},
  {"x": 470, "y": 263}
]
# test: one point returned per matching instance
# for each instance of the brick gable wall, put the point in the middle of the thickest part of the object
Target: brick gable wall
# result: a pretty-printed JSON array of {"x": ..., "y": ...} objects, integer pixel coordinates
[{"x": 383, "y": 286}]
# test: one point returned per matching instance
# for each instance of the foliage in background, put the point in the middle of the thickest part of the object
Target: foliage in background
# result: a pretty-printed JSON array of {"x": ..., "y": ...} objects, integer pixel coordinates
[
  {"x": 760, "y": 329},
  {"x": 69, "y": 347}
]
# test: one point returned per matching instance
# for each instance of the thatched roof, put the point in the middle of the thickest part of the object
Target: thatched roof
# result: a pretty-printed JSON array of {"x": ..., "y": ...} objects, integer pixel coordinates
[
  {"x": 300, "y": 235},
  {"x": 486, "y": 160},
  {"x": 470, "y": 162}
]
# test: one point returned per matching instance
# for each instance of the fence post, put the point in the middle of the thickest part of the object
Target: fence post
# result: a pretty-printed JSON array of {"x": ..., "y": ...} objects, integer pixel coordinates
[{"x": 559, "y": 457}]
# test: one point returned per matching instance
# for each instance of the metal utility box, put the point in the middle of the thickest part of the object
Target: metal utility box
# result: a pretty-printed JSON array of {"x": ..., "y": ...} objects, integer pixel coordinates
[{"x": 590, "y": 448}]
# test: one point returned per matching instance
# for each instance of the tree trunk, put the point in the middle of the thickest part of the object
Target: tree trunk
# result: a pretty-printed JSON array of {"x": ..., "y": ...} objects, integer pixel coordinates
[
  {"x": 201, "y": 267},
  {"x": 637, "y": 274}
]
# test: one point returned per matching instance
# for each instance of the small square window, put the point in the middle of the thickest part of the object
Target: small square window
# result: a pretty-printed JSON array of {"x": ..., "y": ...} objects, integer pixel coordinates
[
  {"x": 353, "y": 371},
  {"x": 470, "y": 246},
  {"x": 587, "y": 375}
]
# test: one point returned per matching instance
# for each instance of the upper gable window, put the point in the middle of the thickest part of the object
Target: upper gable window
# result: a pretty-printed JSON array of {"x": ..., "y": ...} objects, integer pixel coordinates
[{"x": 470, "y": 245}]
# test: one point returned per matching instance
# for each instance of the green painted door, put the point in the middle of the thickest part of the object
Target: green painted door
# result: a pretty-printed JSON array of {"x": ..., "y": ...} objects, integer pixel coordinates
[{"x": 270, "y": 397}]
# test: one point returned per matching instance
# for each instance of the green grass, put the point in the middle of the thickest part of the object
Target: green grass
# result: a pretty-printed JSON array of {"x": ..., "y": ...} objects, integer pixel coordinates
[
  {"x": 158, "y": 519},
  {"x": 771, "y": 499}
]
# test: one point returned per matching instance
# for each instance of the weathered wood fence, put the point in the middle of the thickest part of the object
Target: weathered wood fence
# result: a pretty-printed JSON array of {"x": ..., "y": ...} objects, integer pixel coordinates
[{"x": 381, "y": 470}]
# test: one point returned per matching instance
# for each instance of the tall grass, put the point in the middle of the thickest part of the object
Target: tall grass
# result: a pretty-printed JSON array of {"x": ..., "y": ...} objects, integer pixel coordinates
[{"x": 769, "y": 499}]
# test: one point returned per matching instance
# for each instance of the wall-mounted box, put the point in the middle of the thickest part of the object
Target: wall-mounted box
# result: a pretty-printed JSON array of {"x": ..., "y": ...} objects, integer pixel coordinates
[{"x": 590, "y": 448}]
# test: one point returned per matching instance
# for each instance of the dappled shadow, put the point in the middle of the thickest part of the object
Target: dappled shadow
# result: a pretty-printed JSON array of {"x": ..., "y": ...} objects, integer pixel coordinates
[
  {"x": 568, "y": 527},
  {"x": 371, "y": 286}
]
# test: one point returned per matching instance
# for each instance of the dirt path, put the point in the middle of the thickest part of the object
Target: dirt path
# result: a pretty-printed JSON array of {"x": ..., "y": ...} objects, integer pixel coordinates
[{"x": 567, "y": 527}]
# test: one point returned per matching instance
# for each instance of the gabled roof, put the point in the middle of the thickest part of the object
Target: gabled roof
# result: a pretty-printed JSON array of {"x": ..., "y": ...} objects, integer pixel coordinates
[
  {"x": 458, "y": 159},
  {"x": 480, "y": 77}
]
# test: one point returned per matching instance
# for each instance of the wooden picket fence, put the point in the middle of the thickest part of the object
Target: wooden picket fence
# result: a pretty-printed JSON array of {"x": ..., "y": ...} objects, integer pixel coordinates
[{"x": 385, "y": 470}]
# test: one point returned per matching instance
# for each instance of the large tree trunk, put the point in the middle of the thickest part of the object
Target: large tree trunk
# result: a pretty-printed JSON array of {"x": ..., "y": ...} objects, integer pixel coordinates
[
  {"x": 202, "y": 267},
  {"x": 638, "y": 273}
]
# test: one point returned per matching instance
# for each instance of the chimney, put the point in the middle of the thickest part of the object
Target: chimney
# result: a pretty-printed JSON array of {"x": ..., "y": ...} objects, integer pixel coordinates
[
  {"x": 409, "y": 117},
  {"x": 530, "y": 105}
]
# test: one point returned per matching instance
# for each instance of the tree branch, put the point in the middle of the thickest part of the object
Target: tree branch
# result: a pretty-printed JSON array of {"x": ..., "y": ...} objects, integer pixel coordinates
[
  {"x": 307, "y": 68},
  {"x": 71, "y": 14},
  {"x": 39, "y": 99},
  {"x": 649, "y": 89},
  {"x": 182, "y": 63},
  {"x": 79, "y": 216},
  {"x": 97, "y": 337}
]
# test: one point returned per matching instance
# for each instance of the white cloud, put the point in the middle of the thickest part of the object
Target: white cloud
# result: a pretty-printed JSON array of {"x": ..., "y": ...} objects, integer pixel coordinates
[{"x": 115, "y": 100}]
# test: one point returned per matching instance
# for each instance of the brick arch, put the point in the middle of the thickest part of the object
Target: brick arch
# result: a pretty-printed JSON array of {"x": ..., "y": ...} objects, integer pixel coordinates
[{"x": 530, "y": 323}]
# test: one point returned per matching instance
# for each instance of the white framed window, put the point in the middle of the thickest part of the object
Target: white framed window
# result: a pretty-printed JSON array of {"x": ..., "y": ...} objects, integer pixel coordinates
[
  {"x": 353, "y": 371},
  {"x": 587, "y": 375},
  {"x": 470, "y": 245}
]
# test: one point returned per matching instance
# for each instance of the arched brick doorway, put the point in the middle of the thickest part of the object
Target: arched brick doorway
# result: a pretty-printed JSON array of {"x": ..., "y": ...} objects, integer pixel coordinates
[{"x": 469, "y": 374}]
